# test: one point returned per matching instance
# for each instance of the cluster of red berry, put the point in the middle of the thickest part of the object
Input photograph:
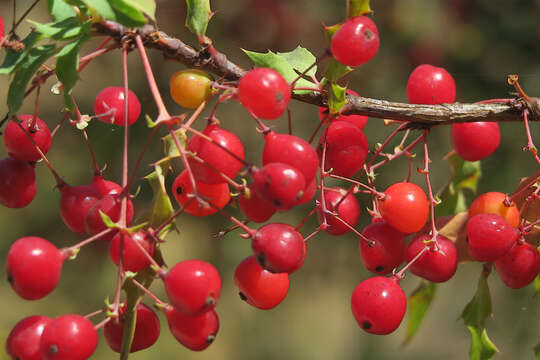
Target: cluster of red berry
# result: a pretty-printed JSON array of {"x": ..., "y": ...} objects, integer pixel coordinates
[{"x": 287, "y": 178}]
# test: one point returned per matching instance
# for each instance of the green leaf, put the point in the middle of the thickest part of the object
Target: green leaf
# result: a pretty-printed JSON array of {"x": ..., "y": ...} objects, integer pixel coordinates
[
  {"x": 465, "y": 175},
  {"x": 127, "y": 14},
  {"x": 479, "y": 308},
  {"x": 537, "y": 286},
  {"x": 417, "y": 305},
  {"x": 162, "y": 208},
  {"x": 301, "y": 59},
  {"x": 101, "y": 8},
  {"x": 107, "y": 220},
  {"x": 475, "y": 314},
  {"x": 336, "y": 98},
  {"x": 67, "y": 66},
  {"x": 482, "y": 348},
  {"x": 15, "y": 58},
  {"x": 169, "y": 146},
  {"x": 59, "y": 10},
  {"x": 146, "y": 6},
  {"x": 336, "y": 70},
  {"x": 198, "y": 16},
  {"x": 24, "y": 74},
  {"x": 281, "y": 65},
  {"x": 66, "y": 29},
  {"x": 358, "y": 8},
  {"x": 537, "y": 351}
]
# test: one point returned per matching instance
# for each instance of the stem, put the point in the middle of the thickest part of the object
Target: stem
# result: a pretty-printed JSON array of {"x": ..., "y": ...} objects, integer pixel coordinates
[
  {"x": 432, "y": 202},
  {"x": 71, "y": 250},
  {"x": 163, "y": 114},
  {"x": 310, "y": 214},
  {"x": 386, "y": 142},
  {"x": 398, "y": 154},
  {"x": 149, "y": 293},
  {"x": 399, "y": 274},
  {"x": 23, "y": 15},
  {"x": 318, "y": 230},
  {"x": 530, "y": 144}
]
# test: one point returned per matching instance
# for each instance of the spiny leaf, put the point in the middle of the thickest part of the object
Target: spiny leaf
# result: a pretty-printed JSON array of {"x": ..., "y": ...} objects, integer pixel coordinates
[
  {"x": 25, "y": 71},
  {"x": 59, "y": 10},
  {"x": 14, "y": 58},
  {"x": 465, "y": 175},
  {"x": 417, "y": 306},
  {"x": 482, "y": 348},
  {"x": 336, "y": 70},
  {"x": 357, "y": 8},
  {"x": 162, "y": 208},
  {"x": 300, "y": 59},
  {"x": 281, "y": 65},
  {"x": 169, "y": 146},
  {"x": 198, "y": 16},
  {"x": 336, "y": 98}
]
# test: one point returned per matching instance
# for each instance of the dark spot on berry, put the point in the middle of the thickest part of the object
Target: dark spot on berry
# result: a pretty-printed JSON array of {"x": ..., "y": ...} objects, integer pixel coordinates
[
  {"x": 10, "y": 279},
  {"x": 366, "y": 325},
  {"x": 53, "y": 349},
  {"x": 300, "y": 194},
  {"x": 210, "y": 339},
  {"x": 210, "y": 301},
  {"x": 279, "y": 97},
  {"x": 379, "y": 268},
  {"x": 368, "y": 34},
  {"x": 277, "y": 203},
  {"x": 179, "y": 190},
  {"x": 242, "y": 296}
]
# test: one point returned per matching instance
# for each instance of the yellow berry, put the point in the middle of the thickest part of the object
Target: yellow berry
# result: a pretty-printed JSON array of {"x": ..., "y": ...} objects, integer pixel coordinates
[{"x": 189, "y": 88}]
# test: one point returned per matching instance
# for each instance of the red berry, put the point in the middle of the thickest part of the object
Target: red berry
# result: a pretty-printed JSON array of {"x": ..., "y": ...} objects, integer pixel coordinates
[
  {"x": 194, "y": 332},
  {"x": 75, "y": 203},
  {"x": 216, "y": 194},
  {"x": 17, "y": 183},
  {"x": 519, "y": 266},
  {"x": 110, "y": 103},
  {"x": 134, "y": 258},
  {"x": 279, "y": 184},
  {"x": 33, "y": 267},
  {"x": 489, "y": 237},
  {"x": 23, "y": 340},
  {"x": 493, "y": 203},
  {"x": 68, "y": 337},
  {"x": 105, "y": 187},
  {"x": 359, "y": 121},
  {"x": 378, "y": 305},
  {"x": 438, "y": 263},
  {"x": 259, "y": 287},
  {"x": 16, "y": 140},
  {"x": 431, "y": 85},
  {"x": 264, "y": 92},
  {"x": 309, "y": 192},
  {"x": 255, "y": 208},
  {"x": 146, "y": 329},
  {"x": 356, "y": 42},
  {"x": 216, "y": 158},
  {"x": 346, "y": 148},
  {"x": 348, "y": 210},
  {"x": 293, "y": 151},
  {"x": 1, "y": 28},
  {"x": 279, "y": 248},
  {"x": 405, "y": 207},
  {"x": 193, "y": 286},
  {"x": 386, "y": 249},
  {"x": 112, "y": 207},
  {"x": 476, "y": 140}
]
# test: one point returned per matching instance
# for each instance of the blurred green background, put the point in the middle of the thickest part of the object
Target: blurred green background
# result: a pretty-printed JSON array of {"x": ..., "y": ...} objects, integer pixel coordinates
[{"x": 479, "y": 42}]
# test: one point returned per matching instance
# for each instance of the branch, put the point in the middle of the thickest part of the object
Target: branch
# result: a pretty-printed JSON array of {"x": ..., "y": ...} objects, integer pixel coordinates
[{"x": 217, "y": 63}]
